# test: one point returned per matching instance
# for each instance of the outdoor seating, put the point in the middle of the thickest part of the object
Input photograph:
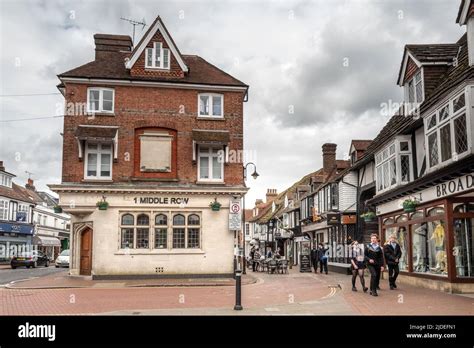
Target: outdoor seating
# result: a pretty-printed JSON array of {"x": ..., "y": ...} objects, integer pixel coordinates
[
  {"x": 272, "y": 266},
  {"x": 283, "y": 266}
]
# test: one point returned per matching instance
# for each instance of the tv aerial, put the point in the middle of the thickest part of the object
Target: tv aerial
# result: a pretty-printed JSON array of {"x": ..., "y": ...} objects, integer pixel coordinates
[{"x": 134, "y": 23}]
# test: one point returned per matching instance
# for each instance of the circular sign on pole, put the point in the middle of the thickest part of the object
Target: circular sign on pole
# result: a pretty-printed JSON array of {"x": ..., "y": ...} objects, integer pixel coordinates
[{"x": 235, "y": 208}]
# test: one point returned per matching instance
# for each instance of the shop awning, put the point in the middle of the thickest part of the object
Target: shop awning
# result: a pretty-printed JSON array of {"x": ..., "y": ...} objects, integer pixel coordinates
[{"x": 46, "y": 241}]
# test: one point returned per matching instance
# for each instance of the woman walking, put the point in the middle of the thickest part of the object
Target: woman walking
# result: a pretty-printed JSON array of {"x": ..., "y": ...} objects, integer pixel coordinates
[
  {"x": 374, "y": 259},
  {"x": 358, "y": 265}
]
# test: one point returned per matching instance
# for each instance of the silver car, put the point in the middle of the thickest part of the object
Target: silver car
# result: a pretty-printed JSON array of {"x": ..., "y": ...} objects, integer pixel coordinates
[{"x": 63, "y": 259}]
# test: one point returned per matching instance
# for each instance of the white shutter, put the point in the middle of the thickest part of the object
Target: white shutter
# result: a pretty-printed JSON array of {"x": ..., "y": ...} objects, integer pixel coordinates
[{"x": 155, "y": 152}]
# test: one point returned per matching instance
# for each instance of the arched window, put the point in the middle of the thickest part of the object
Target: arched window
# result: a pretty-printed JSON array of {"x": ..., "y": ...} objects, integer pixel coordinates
[
  {"x": 388, "y": 221},
  {"x": 417, "y": 215},
  {"x": 436, "y": 211},
  {"x": 127, "y": 219},
  {"x": 143, "y": 220},
  {"x": 402, "y": 218},
  {"x": 161, "y": 220},
  {"x": 193, "y": 219},
  {"x": 178, "y": 220}
]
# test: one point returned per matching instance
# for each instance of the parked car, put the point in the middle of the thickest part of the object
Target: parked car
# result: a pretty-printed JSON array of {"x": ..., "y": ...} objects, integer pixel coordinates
[
  {"x": 30, "y": 259},
  {"x": 63, "y": 259}
]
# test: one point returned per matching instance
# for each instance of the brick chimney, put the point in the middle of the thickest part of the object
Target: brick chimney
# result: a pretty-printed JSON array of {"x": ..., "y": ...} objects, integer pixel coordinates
[
  {"x": 106, "y": 45},
  {"x": 2, "y": 167},
  {"x": 271, "y": 195},
  {"x": 329, "y": 157},
  {"x": 30, "y": 185}
]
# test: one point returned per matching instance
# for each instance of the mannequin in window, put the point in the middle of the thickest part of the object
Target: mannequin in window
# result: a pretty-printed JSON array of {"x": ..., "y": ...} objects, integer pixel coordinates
[
  {"x": 420, "y": 264},
  {"x": 438, "y": 238},
  {"x": 402, "y": 243}
]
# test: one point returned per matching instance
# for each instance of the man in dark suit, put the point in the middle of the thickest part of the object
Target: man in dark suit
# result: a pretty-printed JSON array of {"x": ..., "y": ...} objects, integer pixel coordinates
[
  {"x": 392, "y": 253},
  {"x": 314, "y": 258}
]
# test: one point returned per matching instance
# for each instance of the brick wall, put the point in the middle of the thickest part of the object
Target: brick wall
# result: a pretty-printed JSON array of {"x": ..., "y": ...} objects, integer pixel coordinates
[{"x": 145, "y": 107}]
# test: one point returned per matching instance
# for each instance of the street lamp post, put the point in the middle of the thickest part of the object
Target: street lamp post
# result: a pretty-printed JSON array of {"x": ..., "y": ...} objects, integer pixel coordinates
[{"x": 255, "y": 176}]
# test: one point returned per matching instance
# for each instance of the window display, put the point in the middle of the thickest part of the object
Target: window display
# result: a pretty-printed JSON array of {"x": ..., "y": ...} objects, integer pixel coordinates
[
  {"x": 401, "y": 235},
  {"x": 463, "y": 249},
  {"x": 429, "y": 248}
]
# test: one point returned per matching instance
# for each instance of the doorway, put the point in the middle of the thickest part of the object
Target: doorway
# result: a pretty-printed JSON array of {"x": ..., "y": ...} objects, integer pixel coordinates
[{"x": 86, "y": 252}]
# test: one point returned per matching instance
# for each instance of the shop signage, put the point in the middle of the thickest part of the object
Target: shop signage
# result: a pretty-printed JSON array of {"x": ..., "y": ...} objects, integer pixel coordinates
[
  {"x": 450, "y": 187},
  {"x": 305, "y": 263},
  {"x": 348, "y": 219},
  {"x": 21, "y": 216},
  {"x": 16, "y": 228},
  {"x": 161, "y": 200},
  {"x": 235, "y": 215},
  {"x": 334, "y": 218},
  {"x": 316, "y": 216}
]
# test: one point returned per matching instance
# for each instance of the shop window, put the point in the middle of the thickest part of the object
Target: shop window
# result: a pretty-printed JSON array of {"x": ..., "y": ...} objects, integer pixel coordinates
[
  {"x": 143, "y": 219},
  {"x": 178, "y": 220},
  {"x": 127, "y": 238},
  {"x": 401, "y": 218},
  {"x": 127, "y": 219},
  {"x": 429, "y": 248},
  {"x": 436, "y": 211},
  {"x": 463, "y": 208},
  {"x": 143, "y": 235},
  {"x": 193, "y": 219},
  {"x": 161, "y": 238},
  {"x": 463, "y": 250},
  {"x": 401, "y": 235},
  {"x": 417, "y": 215},
  {"x": 161, "y": 220}
]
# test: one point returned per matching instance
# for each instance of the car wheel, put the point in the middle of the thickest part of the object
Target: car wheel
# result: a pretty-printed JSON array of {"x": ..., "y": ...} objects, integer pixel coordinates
[
  {"x": 57, "y": 266},
  {"x": 28, "y": 266},
  {"x": 13, "y": 267}
]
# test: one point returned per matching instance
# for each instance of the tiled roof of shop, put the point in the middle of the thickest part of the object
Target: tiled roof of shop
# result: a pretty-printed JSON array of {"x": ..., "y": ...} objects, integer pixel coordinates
[
  {"x": 16, "y": 192},
  {"x": 361, "y": 145},
  {"x": 428, "y": 53}
]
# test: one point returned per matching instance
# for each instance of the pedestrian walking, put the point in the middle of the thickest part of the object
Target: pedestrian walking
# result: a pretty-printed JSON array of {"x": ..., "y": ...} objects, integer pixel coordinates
[
  {"x": 392, "y": 253},
  {"x": 256, "y": 259},
  {"x": 323, "y": 258},
  {"x": 357, "y": 265},
  {"x": 314, "y": 258},
  {"x": 374, "y": 259},
  {"x": 252, "y": 257}
]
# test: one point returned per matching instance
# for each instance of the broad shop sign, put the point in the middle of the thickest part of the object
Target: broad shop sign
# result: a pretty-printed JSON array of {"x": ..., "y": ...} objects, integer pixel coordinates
[{"x": 448, "y": 188}]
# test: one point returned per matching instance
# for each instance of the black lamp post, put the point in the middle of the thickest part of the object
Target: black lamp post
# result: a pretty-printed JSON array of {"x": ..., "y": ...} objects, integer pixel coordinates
[{"x": 255, "y": 175}]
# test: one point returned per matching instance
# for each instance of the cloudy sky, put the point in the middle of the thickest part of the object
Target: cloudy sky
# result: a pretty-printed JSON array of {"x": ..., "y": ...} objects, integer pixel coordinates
[{"x": 318, "y": 70}]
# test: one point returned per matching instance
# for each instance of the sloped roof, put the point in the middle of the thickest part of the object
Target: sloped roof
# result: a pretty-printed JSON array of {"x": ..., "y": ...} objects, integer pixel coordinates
[
  {"x": 16, "y": 192},
  {"x": 429, "y": 53},
  {"x": 361, "y": 145}
]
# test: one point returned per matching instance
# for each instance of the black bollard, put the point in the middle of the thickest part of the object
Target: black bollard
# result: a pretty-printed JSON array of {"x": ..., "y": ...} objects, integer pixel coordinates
[{"x": 238, "y": 293}]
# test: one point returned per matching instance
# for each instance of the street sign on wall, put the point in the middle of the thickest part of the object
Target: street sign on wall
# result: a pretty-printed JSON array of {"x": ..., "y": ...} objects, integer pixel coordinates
[{"x": 235, "y": 215}]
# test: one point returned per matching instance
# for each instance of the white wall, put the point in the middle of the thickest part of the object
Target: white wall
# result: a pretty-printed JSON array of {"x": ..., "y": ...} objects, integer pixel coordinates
[{"x": 348, "y": 193}]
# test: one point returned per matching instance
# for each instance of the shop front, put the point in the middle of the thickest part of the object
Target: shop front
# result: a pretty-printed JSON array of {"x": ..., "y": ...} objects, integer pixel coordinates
[
  {"x": 151, "y": 233},
  {"x": 436, "y": 237},
  {"x": 14, "y": 238}
]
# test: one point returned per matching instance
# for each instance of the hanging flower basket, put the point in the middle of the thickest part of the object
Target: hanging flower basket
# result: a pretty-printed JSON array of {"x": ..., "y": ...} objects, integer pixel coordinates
[
  {"x": 409, "y": 205},
  {"x": 103, "y": 204},
  {"x": 215, "y": 205},
  {"x": 58, "y": 209},
  {"x": 369, "y": 216}
]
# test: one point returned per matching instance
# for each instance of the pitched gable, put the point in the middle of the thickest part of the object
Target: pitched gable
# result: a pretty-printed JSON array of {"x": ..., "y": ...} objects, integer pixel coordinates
[{"x": 157, "y": 41}]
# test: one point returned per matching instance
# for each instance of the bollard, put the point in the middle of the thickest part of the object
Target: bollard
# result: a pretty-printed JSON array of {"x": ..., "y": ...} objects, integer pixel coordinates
[{"x": 238, "y": 294}]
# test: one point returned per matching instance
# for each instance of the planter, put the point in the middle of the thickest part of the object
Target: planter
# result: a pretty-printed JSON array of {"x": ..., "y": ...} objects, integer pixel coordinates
[
  {"x": 58, "y": 210},
  {"x": 369, "y": 219},
  {"x": 215, "y": 205},
  {"x": 102, "y": 205},
  {"x": 409, "y": 206}
]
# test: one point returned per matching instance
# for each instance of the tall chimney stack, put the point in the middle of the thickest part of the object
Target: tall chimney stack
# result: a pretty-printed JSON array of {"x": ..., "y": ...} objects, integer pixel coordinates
[
  {"x": 107, "y": 44},
  {"x": 271, "y": 195},
  {"x": 329, "y": 157}
]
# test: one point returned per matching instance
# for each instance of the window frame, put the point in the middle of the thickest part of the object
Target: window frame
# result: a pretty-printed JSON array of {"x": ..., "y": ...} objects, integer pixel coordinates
[
  {"x": 385, "y": 158},
  {"x": 99, "y": 160},
  {"x": 211, "y": 105},
  {"x": 4, "y": 209},
  {"x": 412, "y": 105},
  {"x": 210, "y": 156},
  {"x": 161, "y": 60},
  {"x": 450, "y": 120},
  {"x": 101, "y": 100}
]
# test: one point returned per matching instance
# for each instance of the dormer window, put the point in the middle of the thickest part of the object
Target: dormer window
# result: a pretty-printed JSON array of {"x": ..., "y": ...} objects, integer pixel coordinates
[
  {"x": 5, "y": 180},
  {"x": 157, "y": 57},
  {"x": 414, "y": 90},
  {"x": 393, "y": 164}
]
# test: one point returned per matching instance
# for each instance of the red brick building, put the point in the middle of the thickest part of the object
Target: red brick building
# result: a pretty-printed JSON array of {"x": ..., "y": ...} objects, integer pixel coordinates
[{"x": 154, "y": 133}]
